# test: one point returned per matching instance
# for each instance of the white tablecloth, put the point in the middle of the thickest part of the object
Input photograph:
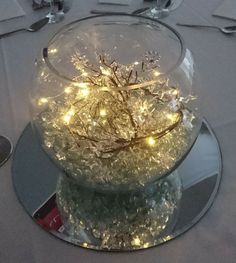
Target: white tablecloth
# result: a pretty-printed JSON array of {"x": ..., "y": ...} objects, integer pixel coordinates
[{"x": 213, "y": 239}]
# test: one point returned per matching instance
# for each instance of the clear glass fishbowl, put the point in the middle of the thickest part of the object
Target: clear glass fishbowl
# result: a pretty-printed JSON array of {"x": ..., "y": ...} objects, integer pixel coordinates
[{"x": 114, "y": 105}]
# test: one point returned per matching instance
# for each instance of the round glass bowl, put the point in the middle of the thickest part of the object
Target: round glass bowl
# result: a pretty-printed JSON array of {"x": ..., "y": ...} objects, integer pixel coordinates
[{"x": 114, "y": 101}]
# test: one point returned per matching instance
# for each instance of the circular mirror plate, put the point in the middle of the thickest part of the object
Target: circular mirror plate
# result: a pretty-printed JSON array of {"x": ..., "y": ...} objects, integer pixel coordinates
[{"x": 35, "y": 178}]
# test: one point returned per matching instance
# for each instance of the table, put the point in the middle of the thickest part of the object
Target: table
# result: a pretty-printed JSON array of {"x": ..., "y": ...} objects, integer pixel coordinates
[{"x": 213, "y": 239}]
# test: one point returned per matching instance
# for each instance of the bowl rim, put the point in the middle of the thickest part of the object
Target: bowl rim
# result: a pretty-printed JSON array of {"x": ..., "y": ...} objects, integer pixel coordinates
[{"x": 67, "y": 26}]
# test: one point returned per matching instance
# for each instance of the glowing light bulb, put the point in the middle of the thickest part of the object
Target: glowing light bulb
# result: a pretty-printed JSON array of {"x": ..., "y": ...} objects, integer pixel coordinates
[
  {"x": 105, "y": 88},
  {"x": 143, "y": 108},
  {"x": 136, "y": 63},
  {"x": 84, "y": 92},
  {"x": 42, "y": 101},
  {"x": 105, "y": 72},
  {"x": 84, "y": 74},
  {"x": 151, "y": 141},
  {"x": 175, "y": 92},
  {"x": 103, "y": 112},
  {"x": 71, "y": 112},
  {"x": 68, "y": 90},
  {"x": 81, "y": 84},
  {"x": 67, "y": 117},
  {"x": 172, "y": 116}
]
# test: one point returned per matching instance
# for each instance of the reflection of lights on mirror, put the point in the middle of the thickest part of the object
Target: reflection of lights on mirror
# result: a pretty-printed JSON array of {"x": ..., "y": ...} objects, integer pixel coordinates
[
  {"x": 136, "y": 241},
  {"x": 81, "y": 84}
]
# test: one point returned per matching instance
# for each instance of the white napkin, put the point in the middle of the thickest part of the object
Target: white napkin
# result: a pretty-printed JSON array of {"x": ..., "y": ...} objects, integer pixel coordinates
[
  {"x": 227, "y": 9},
  {"x": 114, "y": 2},
  {"x": 10, "y": 9}
]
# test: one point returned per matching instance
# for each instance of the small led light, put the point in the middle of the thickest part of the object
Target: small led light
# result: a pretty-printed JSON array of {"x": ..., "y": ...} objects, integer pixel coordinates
[
  {"x": 172, "y": 116},
  {"x": 136, "y": 63},
  {"x": 81, "y": 84},
  {"x": 105, "y": 72},
  {"x": 71, "y": 112},
  {"x": 143, "y": 108},
  {"x": 84, "y": 74},
  {"x": 175, "y": 92},
  {"x": 103, "y": 112},
  {"x": 66, "y": 119},
  {"x": 42, "y": 101},
  {"x": 146, "y": 245},
  {"x": 151, "y": 141},
  {"x": 84, "y": 92},
  {"x": 105, "y": 88},
  {"x": 156, "y": 73},
  {"x": 68, "y": 90}
]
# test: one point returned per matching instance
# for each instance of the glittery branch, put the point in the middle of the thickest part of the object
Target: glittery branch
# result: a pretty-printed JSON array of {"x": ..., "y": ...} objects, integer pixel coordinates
[{"x": 117, "y": 122}]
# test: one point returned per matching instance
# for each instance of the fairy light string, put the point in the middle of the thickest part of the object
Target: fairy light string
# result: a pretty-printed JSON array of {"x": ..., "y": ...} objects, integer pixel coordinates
[
  {"x": 112, "y": 79},
  {"x": 112, "y": 110}
]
